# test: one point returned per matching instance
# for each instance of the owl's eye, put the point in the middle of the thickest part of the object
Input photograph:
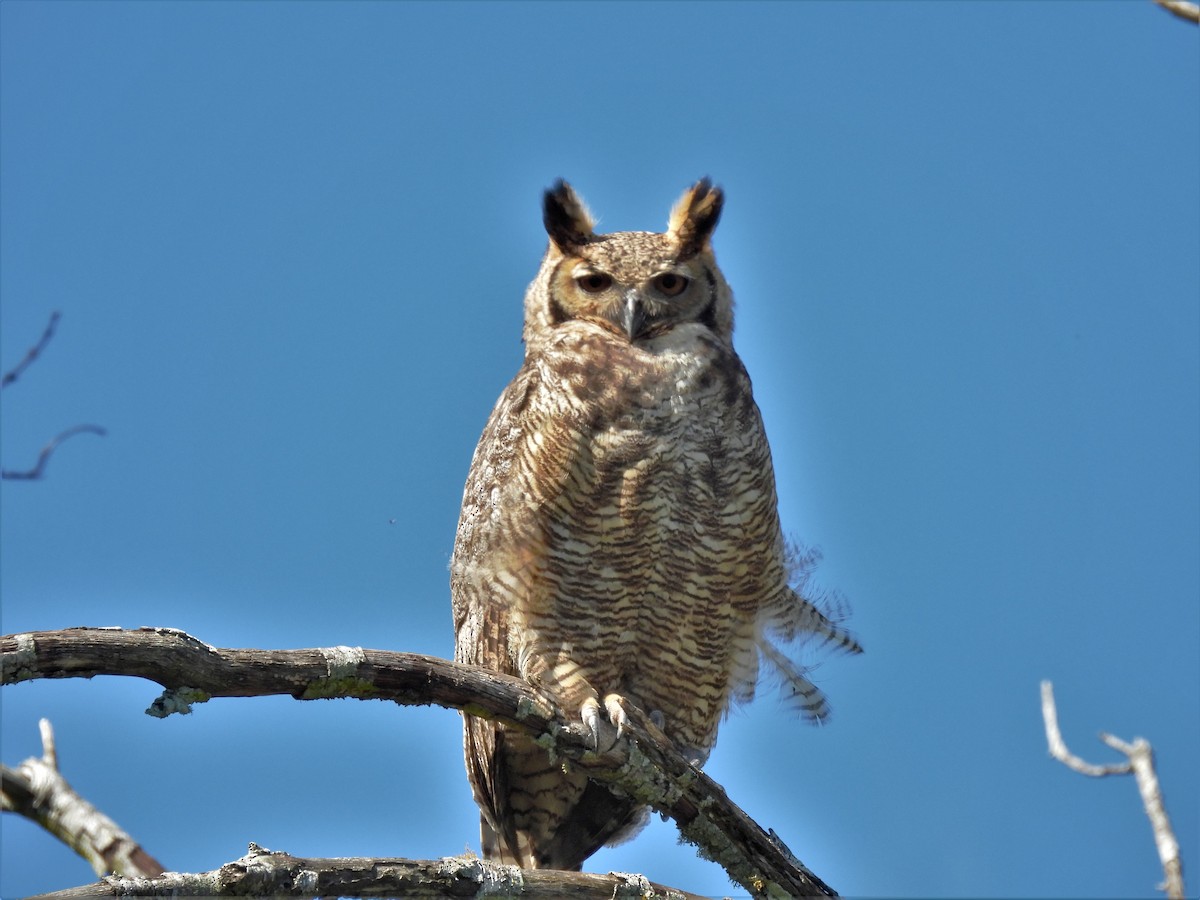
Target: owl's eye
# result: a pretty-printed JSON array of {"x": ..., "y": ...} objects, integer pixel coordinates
[
  {"x": 671, "y": 284},
  {"x": 594, "y": 282}
]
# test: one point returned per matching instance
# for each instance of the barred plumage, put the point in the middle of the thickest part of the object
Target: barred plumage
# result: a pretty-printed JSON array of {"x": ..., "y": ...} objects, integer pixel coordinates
[{"x": 619, "y": 536}]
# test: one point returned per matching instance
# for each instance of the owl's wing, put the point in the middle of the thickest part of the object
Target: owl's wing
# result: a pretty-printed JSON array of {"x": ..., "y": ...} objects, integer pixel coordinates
[{"x": 481, "y": 625}]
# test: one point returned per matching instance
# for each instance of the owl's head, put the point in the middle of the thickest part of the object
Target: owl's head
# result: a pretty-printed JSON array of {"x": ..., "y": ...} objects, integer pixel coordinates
[{"x": 638, "y": 285}]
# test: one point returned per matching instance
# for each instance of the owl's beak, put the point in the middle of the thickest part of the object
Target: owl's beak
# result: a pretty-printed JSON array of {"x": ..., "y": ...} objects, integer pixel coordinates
[{"x": 633, "y": 315}]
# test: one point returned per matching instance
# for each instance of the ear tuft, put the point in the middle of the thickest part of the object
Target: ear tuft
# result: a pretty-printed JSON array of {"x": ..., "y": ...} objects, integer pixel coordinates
[
  {"x": 567, "y": 220},
  {"x": 695, "y": 217}
]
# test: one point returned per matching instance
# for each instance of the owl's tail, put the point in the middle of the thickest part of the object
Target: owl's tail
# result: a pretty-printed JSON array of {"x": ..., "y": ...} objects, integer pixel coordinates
[
  {"x": 800, "y": 615},
  {"x": 808, "y": 612},
  {"x": 817, "y": 618},
  {"x": 797, "y": 689}
]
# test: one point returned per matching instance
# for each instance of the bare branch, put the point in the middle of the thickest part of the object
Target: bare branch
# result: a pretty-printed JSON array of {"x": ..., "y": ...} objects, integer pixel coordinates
[
  {"x": 1141, "y": 763},
  {"x": 1058, "y": 748},
  {"x": 49, "y": 750},
  {"x": 1189, "y": 12},
  {"x": 34, "y": 352},
  {"x": 52, "y": 445},
  {"x": 37, "y": 791},
  {"x": 641, "y": 767},
  {"x": 264, "y": 873},
  {"x": 1141, "y": 758},
  {"x": 47, "y": 451}
]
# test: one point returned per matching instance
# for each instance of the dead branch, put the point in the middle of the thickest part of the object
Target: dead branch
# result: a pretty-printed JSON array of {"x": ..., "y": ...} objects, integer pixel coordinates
[
  {"x": 1189, "y": 12},
  {"x": 37, "y": 791},
  {"x": 33, "y": 353},
  {"x": 1141, "y": 758},
  {"x": 265, "y": 873},
  {"x": 44, "y": 456},
  {"x": 1058, "y": 747},
  {"x": 648, "y": 770},
  {"x": 1140, "y": 761},
  {"x": 47, "y": 451}
]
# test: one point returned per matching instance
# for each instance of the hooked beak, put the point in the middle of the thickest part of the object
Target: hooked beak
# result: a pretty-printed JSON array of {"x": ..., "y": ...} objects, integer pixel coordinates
[{"x": 633, "y": 315}]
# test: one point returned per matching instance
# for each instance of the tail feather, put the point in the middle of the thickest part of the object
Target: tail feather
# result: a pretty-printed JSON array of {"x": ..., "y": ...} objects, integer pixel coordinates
[
  {"x": 817, "y": 617},
  {"x": 800, "y": 615},
  {"x": 807, "y": 611},
  {"x": 797, "y": 689}
]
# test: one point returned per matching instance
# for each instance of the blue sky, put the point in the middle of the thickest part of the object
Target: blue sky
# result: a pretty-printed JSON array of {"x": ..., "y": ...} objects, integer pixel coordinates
[{"x": 290, "y": 241}]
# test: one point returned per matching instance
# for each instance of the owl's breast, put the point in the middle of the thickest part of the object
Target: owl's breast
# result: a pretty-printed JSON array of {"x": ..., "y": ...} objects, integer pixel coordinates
[
  {"x": 621, "y": 515},
  {"x": 669, "y": 384},
  {"x": 661, "y": 430}
]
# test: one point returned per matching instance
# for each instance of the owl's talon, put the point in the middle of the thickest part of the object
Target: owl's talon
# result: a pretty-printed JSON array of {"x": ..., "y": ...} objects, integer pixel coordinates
[
  {"x": 590, "y": 714},
  {"x": 599, "y": 730},
  {"x": 615, "y": 705}
]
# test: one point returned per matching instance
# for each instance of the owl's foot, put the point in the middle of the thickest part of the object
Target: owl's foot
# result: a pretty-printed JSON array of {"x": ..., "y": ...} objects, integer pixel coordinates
[
  {"x": 608, "y": 728},
  {"x": 629, "y": 719},
  {"x": 617, "y": 714},
  {"x": 600, "y": 727},
  {"x": 622, "y": 719}
]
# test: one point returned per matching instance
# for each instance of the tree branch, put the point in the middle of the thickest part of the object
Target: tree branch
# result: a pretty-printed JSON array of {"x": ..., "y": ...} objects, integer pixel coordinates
[
  {"x": 37, "y": 791},
  {"x": 33, "y": 353},
  {"x": 47, "y": 451},
  {"x": 641, "y": 767},
  {"x": 1189, "y": 12},
  {"x": 262, "y": 873},
  {"x": 1058, "y": 747},
  {"x": 1141, "y": 758},
  {"x": 1141, "y": 763}
]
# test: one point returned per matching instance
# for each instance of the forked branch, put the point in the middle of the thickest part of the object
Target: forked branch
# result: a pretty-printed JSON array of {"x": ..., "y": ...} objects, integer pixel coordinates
[
  {"x": 1139, "y": 761},
  {"x": 642, "y": 767}
]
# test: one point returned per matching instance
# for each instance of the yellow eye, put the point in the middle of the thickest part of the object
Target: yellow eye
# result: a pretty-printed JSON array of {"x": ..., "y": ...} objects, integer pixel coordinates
[
  {"x": 594, "y": 282},
  {"x": 671, "y": 284}
]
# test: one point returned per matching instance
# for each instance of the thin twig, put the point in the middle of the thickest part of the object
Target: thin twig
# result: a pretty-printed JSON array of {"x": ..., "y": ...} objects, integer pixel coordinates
[
  {"x": 44, "y": 456},
  {"x": 1058, "y": 747},
  {"x": 1141, "y": 763},
  {"x": 34, "y": 352},
  {"x": 47, "y": 451}
]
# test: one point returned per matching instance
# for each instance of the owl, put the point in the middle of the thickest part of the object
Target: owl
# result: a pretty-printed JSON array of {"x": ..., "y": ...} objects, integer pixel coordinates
[{"x": 619, "y": 541}]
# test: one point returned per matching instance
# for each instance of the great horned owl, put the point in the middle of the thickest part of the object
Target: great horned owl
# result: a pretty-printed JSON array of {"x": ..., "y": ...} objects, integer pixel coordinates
[{"x": 619, "y": 536}]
